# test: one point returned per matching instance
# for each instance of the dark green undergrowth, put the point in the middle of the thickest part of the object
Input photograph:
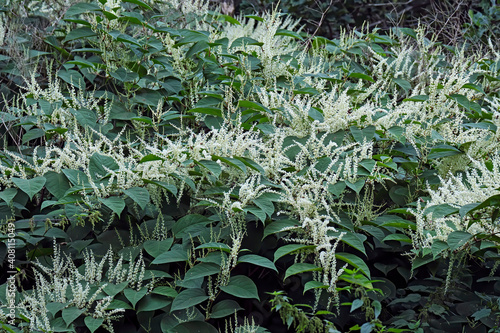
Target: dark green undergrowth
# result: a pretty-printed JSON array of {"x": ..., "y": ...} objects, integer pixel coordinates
[{"x": 167, "y": 168}]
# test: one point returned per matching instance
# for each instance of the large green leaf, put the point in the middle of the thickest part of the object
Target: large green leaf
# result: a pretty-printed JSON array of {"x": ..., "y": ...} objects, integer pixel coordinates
[
  {"x": 300, "y": 268},
  {"x": 93, "y": 323},
  {"x": 30, "y": 186},
  {"x": 202, "y": 270},
  {"x": 257, "y": 260},
  {"x": 242, "y": 287},
  {"x": 290, "y": 248},
  {"x": 57, "y": 184},
  {"x": 8, "y": 194},
  {"x": 70, "y": 314},
  {"x": 355, "y": 261},
  {"x": 457, "y": 239},
  {"x": 152, "y": 302},
  {"x": 139, "y": 194},
  {"x": 212, "y": 166},
  {"x": 135, "y": 296},
  {"x": 277, "y": 226},
  {"x": 184, "y": 224},
  {"x": 116, "y": 204},
  {"x": 363, "y": 135},
  {"x": 175, "y": 255},
  {"x": 225, "y": 308},
  {"x": 79, "y": 33},
  {"x": 157, "y": 247},
  {"x": 98, "y": 164},
  {"x": 466, "y": 103},
  {"x": 188, "y": 298},
  {"x": 171, "y": 188}
]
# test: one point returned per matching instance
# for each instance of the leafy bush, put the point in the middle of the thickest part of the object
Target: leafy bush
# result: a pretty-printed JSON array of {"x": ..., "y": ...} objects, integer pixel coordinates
[{"x": 170, "y": 169}]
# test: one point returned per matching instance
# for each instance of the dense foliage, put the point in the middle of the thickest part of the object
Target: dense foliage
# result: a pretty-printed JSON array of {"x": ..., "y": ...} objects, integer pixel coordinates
[{"x": 166, "y": 168}]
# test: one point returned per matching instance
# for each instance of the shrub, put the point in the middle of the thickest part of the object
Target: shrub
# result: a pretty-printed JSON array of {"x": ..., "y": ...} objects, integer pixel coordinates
[{"x": 167, "y": 168}]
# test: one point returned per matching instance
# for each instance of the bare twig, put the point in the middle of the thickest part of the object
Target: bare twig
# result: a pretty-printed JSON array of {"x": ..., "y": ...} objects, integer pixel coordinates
[{"x": 320, "y": 23}]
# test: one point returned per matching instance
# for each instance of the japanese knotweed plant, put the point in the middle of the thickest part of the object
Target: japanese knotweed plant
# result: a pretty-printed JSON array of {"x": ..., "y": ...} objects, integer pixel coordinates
[
  {"x": 78, "y": 291},
  {"x": 463, "y": 189}
]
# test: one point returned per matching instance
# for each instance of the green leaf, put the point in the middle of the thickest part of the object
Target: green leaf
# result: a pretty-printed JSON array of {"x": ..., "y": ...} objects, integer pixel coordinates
[
  {"x": 266, "y": 205},
  {"x": 148, "y": 97},
  {"x": 8, "y": 194},
  {"x": 362, "y": 77},
  {"x": 355, "y": 261},
  {"x": 135, "y": 296},
  {"x": 242, "y": 287},
  {"x": 171, "y": 188},
  {"x": 139, "y": 3},
  {"x": 337, "y": 189},
  {"x": 443, "y": 151},
  {"x": 356, "y": 304},
  {"x": 79, "y": 33},
  {"x": 251, "y": 164},
  {"x": 278, "y": 225},
  {"x": 363, "y": 135},
  {"x": 201, "y": 270},
  {"x": 259, "y": 213},
  {"x": 156, "y": 247},
  {"x": 403, "y": 84},
  {"x": 139, "y": 195},
  {"x": 57, "y": 184},
  {"x": 288, "y": 33},
  {"x": 184, "y": 224},
  {"x": 493, "y": 201},
  {"x": 457, "y": 239},
  {"x": 314, "y": 285},
  {"x": 165, "y": 291},
  {"x": 211, "y": 166},
  {"x": 355, "y": 240},
  {"x": 290, "y": 248},
  {"x": 175, "y": 255},
  {"x": 81, "y": 8},
  {"x": 417, "y": 98},
  {"x": 475, "y": 87},
  {"x": 119, "y": 304},
  {"x": 208, "y": 110},
  {"x": 238, "y": 42},
  {"x": 93, "y": 323},
  {"x": 441, "y": 210},
  {"x": 33, "y": 134},
  {"x": 214, "y": 246},
  {"x": 73, "y": 78},
  {"x": 152, "y": 302},
  {"x": 465, "y": 103},
  {"x": 438, "y": 247},
  {"x": 70, "y": 314},
  {"x": 357, "y": 186},
  {"x": 254, "y": 106},
  {"x": 150, "y": 157},
  {"x": 116, "y": 204},
  {"x": 197, "y": 48},
  {"x": 188, "y": 298},
  {"x": 98, "y": 164},
  {"x": 225, "y": 308},
  {"x": 300, "y": 268},
  {"x": 420, "y": 261},
  {"x": 30, "y": 186},
  {"x": 113, "y": 289},
  {"x": 257, "y": 260},
  {"x": 55, "y": 307},
  {"x": 232, "y": 162},
  {"x": 480, "y": 314},
  {"x": 397, "y": 237}
]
